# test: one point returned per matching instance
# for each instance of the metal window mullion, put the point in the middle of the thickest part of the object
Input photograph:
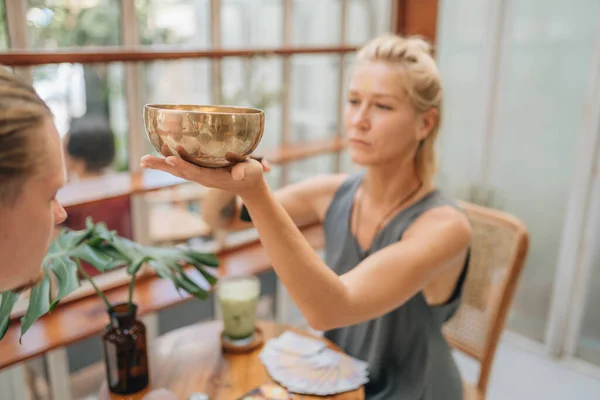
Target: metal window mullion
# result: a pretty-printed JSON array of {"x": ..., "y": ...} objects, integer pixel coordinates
[
  {"x": 286, "y": 128},
  {"x": 584, "y": 269},
  {"x": 216, "y": 64},
  {"x": 577, "y": 252},
  {"x": 496, "y": 60},
  {"x": 57, "y": 363},
  {"x": 13, "y": 381},
  {"x": 283, "y": 302},
  {"x": 133, "y": 87},
  {"x": 394, "y": 20},
  {"x": 16, "y": 24},
  {"x": 18, "y": 37},
  {"x": 136, "y": 138},
  {"x": 216, "y": 83},
  {"x": 341, "y": 76}
]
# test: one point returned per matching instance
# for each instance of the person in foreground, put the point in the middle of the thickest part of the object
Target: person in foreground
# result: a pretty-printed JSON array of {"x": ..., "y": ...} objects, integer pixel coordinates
[
  {"x": 397, "y": 250},
  {"x": 31, "y": 173}
]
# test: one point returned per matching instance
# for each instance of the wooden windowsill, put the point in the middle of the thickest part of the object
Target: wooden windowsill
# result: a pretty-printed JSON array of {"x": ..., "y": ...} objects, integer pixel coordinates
[
  {"x": 115, "y": 185},
  {"x": 127, "y": 184},
  {"x": 85, "y": 317}
]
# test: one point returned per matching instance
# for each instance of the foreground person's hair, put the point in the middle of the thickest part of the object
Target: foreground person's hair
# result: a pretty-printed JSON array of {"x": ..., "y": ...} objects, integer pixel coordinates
[{"x": 22, "y": 113}]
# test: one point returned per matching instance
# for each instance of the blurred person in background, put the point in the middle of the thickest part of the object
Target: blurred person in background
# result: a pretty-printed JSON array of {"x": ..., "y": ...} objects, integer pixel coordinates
[
  {"x": 397, "y": 249},
  {"x": 89, "y": 147},
  {"x": 89, "y": 153}
]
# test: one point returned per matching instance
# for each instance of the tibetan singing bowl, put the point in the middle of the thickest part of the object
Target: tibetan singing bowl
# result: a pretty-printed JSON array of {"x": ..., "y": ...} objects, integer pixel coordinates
[{"x": 204, "y": 135}]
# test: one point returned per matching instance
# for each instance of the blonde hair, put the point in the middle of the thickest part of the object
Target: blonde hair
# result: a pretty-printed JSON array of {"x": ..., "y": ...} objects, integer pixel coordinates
[
  {"x": 22, "y": 112},
  {"x": 414, "y": 55}
]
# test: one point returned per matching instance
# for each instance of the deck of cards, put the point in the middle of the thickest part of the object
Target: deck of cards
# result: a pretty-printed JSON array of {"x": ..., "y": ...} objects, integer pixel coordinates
[{"x": 306, "y": 366}]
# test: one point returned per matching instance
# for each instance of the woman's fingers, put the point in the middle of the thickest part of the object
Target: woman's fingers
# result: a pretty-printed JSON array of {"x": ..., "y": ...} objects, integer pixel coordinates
[
  {"x": 183, "y": 169},
  {"x": 238, "y": 178},
  {"x": 234, "y": 158},
  {"x": 183, "y": 153},
  {"x": 213, "y": 177},
  {"x": 152, "y": 162},
  {"x": 165, "y": 150}
]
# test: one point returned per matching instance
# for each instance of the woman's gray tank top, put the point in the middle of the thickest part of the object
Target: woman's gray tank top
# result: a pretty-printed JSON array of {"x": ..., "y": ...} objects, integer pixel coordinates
[{"x": 407, "y": 354}]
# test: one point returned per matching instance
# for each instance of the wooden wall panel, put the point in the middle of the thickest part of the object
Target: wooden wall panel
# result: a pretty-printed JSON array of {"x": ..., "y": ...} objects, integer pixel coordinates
[{"x": 417, "y": 17}]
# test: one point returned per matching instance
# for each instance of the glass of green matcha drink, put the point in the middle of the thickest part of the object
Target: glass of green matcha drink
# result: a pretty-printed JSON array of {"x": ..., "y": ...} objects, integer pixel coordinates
[{"x": 238, "y": 298}]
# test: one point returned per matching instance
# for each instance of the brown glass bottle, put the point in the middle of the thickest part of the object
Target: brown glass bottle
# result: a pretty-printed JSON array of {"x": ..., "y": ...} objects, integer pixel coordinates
[{"x": 125, "y": 353}]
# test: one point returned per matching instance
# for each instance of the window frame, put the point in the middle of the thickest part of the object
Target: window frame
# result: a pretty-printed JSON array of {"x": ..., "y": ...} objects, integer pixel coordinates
[{"x": 406, "y": 16}]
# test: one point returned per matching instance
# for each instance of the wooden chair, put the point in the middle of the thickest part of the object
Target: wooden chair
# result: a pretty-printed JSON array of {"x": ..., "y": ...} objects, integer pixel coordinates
[{"x": 499, "y": 246}]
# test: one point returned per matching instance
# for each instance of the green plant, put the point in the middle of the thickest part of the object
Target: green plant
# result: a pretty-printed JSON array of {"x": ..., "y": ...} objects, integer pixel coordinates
[{"x": 105, "y": 251}]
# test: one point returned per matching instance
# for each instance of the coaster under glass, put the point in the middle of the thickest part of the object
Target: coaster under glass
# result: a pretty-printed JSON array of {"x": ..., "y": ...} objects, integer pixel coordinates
[
  {"x": 243, "y": 345},
  {"x": 239, "y": 342}
]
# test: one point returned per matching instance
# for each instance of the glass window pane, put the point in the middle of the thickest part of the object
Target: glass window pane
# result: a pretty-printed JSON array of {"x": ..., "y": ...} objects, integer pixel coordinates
[
  {"x": 257, "y": 23},
  {"x": 302, "y": 169},
  {"x": 256, "y": 82},
  {"x": 367, "y": 19},
  {"x": 85, "y": 96},
  {"x": 181, "y": 81},
  {"x": 536, "y": 148},
  {"x": 72, "y": 23},
  {"x": 274, "y": 177},
  {"x": 460, "y": 52},
  {"x": 181, "y": 22},
  {"x": 316, "y": 22},
  {"x": 535, "y": 143},
  {"x": 3, "y": 28},
  {"x": 314, "y": 97},
  {"x": 347, "y": 166},
  {"x": 588, "y": 346}
]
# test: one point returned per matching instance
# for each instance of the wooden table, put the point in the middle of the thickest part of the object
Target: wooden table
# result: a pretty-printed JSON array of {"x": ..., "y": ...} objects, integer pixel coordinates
[{"x": 190, "y": 360}]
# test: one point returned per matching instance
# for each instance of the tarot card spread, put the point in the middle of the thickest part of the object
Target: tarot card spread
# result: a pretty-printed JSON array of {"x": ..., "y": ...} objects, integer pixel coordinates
[{"x": 306, "y": 366}]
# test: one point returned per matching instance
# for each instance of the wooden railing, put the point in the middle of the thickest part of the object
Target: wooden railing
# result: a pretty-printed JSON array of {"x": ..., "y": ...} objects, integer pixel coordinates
[
  {"x": 127, "y": 184},
  {"x": 17, "y": 58},
  {"x": 410, "y": 17}
]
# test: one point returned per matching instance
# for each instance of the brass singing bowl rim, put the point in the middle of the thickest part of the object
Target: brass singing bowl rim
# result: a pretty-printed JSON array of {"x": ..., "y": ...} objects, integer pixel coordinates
[{"x": 204, "y": 109}]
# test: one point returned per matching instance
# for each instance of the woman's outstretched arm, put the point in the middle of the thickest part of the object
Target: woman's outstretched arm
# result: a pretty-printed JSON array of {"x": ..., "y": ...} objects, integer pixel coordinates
[
  {"x": 380, "y": 283},
  {"x": 383, "y": 281},
  {"x": 305, "y": 202}
]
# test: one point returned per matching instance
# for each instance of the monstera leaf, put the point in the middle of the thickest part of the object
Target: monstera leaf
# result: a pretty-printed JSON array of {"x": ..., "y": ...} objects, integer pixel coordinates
[
  {"x": 104, "y": 250},
  {"x": 7, "y": 302}
]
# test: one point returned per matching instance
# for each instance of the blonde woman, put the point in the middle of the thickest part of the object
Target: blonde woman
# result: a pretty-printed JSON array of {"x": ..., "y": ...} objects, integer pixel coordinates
[{"x": 396, "y": 248}]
